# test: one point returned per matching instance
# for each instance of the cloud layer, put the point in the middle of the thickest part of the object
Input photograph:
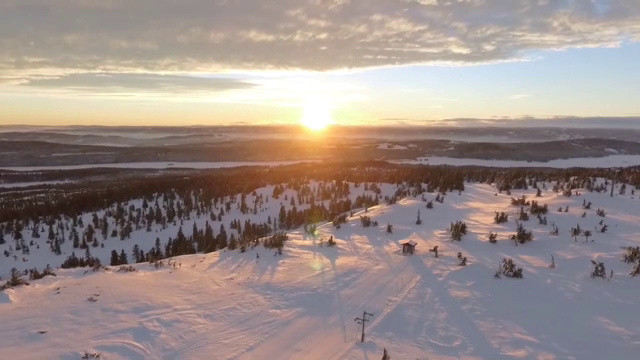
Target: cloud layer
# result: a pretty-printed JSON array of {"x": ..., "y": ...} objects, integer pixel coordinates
[
  {"x": 45, "y": 36},
  {"x": 127, "y": 82}
]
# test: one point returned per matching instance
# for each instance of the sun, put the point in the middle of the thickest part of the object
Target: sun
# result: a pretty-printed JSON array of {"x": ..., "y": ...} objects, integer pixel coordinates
[{"x": 316, "y": 115}]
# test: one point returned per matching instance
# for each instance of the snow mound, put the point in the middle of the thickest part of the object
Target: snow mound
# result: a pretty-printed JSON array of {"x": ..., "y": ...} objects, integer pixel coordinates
[{"x": 5, "y": 298}]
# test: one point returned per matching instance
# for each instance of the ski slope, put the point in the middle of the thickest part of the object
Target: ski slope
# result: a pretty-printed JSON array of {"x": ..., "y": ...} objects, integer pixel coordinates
[{"x": 302, "y": 304}]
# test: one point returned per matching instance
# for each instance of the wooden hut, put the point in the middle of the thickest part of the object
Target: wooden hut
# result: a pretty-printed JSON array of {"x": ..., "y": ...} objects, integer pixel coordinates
[{"x": 408, "y": 246}]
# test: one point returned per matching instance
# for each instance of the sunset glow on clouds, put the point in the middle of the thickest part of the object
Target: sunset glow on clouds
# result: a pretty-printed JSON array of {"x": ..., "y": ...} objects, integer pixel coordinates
[{"x": 279, "y": 54}]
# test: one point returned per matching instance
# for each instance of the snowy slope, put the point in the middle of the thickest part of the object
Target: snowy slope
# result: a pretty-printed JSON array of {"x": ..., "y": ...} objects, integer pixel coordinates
[
  {"x": 301, "y": 305},
  {"x": 40, "y": 253}
]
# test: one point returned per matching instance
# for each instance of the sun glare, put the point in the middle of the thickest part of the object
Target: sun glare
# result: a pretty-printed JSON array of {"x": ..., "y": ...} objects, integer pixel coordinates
[{"x": 316, "y": 116}]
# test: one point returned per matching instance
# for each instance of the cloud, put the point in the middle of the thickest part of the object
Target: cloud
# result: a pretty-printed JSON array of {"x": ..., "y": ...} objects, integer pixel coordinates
[
  {"x": 519, "y": 96},
  {"x": 631, "y": 122},
  {"x": 132, "y": 82},
  {"x": 223, "y": 35}
]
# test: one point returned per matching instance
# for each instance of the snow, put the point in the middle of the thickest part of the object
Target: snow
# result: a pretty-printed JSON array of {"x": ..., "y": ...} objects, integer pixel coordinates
[
  {"x": 32, "y": 183},
  {"x": 301, "y": 305},
  {"x": 40, "y": 254},
  {"x": 4, "y": 296},
  {"x": 156, "y": 165},
  {"x": 597, "y": 162},
  {"x": 389, "y": 146},
  {"x": 83, "y": 153}
]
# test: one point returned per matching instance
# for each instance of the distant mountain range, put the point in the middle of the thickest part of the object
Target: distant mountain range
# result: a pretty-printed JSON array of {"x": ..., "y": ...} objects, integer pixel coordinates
[{"x": 55, "y": 148}]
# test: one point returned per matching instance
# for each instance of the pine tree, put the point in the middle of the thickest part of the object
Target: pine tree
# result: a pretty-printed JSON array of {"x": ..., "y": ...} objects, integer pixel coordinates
[
  {"x": 522, "y": 235},
  {"x": 233, "y": 244},
  {"x": 114, "y": 258},
  {"x": 122, "y": 259},
  {"x": 509, "y": 269},
  {"x": 15, "y": 279},
  {"x": 575, "y": 232},
  {"x": 180, "y": 237},
  {"x": 158, "y": 250},
  {"x": 282, "y": 217},
  {"x": 35, "y": 233},
  {"x": 105, "y": 227},
  {"x": 457, "y": 230},
  {"x": 501, "y": 217},
  {"x": 136, "y": 253},
  {"x": 222, "y": 238},
  {"x": 209, "y": 241},
  {"x": 55, "y": 247},
  {"x": 385, "y": 355},
  {"x": 598, "y": 270},
  {"x": 17, "y": 235},
  {"x": 195, "y": 232}
]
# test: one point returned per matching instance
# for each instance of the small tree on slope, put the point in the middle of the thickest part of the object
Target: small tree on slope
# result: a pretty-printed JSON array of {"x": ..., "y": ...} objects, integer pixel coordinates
[
  {"x": 385, "y": 355},
  {"x": 598, "y": 270}
]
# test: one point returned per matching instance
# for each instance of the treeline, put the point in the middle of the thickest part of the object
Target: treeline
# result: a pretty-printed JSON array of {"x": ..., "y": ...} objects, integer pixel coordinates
[{"x": 74, "y": 199}]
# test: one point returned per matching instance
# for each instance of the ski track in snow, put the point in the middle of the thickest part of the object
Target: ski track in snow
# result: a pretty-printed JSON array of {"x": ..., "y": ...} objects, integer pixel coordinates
[{"x": 301, "y": 305}]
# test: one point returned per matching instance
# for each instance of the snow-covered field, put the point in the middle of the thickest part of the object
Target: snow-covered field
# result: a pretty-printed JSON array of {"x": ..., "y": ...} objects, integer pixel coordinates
[
  {"x": 598, "y": 162},
  {"x": 302, "y": 304},
  {"x": 389, "y": 146},
  {"x": 32, "y": 183},
  {"x": 156, "y": 165}
]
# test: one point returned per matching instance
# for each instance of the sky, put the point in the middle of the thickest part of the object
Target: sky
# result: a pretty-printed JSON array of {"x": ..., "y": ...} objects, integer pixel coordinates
[{"x": 373, "y": 62}]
